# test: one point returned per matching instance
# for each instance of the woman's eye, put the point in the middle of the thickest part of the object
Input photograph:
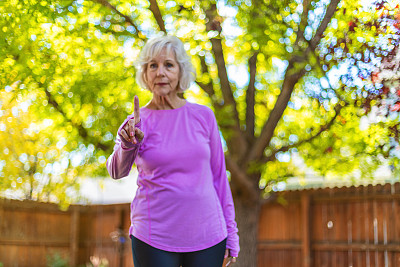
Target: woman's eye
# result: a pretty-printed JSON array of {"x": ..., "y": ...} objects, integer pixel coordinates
[
  {"x": 170, "y": 65},
  {"x": 153, "y": 66}
]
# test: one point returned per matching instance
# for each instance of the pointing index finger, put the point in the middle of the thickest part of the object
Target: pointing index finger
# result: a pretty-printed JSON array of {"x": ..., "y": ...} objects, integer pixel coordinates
[{"x": 136, "y": 111}]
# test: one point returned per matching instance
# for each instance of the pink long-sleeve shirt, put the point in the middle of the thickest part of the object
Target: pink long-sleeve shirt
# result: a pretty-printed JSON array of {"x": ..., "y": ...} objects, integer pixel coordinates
[{"x": 183, "y": 202}]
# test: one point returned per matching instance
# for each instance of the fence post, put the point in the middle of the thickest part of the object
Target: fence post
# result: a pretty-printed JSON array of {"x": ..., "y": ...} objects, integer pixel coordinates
[
  {"x": 74, "y": 241},
  {"x": 122, "y": 241},
  {"x": 305, "y": 218}
]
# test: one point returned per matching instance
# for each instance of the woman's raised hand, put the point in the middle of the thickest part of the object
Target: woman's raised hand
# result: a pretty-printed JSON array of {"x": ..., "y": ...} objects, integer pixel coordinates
[{"x": 130, "y": 132}]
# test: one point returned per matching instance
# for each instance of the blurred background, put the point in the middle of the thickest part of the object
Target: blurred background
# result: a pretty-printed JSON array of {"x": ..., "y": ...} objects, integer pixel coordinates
[{"x": 306, "y": 95}]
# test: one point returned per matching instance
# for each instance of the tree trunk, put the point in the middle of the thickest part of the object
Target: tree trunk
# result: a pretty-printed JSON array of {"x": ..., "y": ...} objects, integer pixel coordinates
[{"x": 247, "y": 217}]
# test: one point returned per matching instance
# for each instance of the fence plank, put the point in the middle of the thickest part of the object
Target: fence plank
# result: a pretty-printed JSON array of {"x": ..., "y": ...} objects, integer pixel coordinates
[
  {"x": 305, "y": 209},
  {"x": 355, "y": 226},
  {"x": 74, "y": 243}
]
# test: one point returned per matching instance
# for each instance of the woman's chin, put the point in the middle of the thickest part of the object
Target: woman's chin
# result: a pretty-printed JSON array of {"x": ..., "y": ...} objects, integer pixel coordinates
[{"x": 163, "y": 92}]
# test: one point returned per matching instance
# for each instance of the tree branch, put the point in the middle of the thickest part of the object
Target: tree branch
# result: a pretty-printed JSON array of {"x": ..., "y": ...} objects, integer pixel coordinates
[
  {"x": 208, "y": 88},
  {"x": 213, "y": 24},
  {"x": 204, "y": 66},
  {"x": 338, "y": 107},
  {"x": 303, "y": 22},
  {"x": 81, "y": 130},
  {"x": 267, "y": 132},
  {"x": 238, "y": 144},
  {"x": 127, "y": 18},
  {"x": 291, "y": 78},
  {"x": 250, "y": 97},
  {"x": 155, "y": 9},
  {"x": 223, "y": 75},
  {"x": 330, "y": 11}
]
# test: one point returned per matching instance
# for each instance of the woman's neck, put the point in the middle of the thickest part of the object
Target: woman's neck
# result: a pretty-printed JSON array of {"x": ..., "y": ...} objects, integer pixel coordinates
[{"x": 166, "y": 102}]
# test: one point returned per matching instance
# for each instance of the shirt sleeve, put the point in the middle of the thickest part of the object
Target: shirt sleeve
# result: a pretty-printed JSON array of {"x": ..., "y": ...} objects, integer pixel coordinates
[
  {"x": 120, "y": 162},
  {"x": 223, "y": 189}
]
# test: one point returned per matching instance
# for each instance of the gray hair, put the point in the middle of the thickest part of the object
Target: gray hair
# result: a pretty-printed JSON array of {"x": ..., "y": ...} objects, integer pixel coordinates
[{"x": 153, "y": 48}]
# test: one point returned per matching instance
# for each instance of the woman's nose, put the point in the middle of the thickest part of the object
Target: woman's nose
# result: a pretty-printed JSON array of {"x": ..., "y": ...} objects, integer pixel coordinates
[{"x": 160, "y": 71}]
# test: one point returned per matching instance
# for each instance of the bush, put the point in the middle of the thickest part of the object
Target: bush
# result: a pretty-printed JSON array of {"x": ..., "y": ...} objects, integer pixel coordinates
[{"x": 56, "y": 260}]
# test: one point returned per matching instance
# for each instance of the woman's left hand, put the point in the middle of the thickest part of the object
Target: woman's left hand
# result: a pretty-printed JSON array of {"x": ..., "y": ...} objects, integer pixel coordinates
[{"x": 230, "y": 260}]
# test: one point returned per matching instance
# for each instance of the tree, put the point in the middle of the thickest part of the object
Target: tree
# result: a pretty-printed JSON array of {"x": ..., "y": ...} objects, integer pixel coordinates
[
  {"x": 386, "y": 80},
  {"x": 284, "y": 78},
  {"x": 33, "y": 160},
  {"x": 59, "y": 81}
]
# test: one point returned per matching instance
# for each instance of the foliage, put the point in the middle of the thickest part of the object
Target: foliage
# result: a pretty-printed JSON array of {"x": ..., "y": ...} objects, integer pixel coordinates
[
  {"x": 56, "y": 260},
  {"x": 34, "y": 158},
  {"x": 286, "y": 79},
  {"x": 60, "y": 90},
  {"x": 72, "y": 63}
]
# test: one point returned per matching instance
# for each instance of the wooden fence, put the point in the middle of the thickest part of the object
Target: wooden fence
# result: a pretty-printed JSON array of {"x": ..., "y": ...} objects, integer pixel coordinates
[
  {"x": 30, "y": 232},
  {"x": 355, "y": 226}
]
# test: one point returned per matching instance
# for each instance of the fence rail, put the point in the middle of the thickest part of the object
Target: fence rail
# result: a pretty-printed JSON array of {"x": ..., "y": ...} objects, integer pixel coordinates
[
  {"x": 30, "y": 232},
  {"x": 354, "y": 226}
]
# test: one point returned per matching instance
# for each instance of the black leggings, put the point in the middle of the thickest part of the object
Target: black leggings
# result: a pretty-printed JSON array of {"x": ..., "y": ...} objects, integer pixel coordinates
[{"x": 145, "y": 255}]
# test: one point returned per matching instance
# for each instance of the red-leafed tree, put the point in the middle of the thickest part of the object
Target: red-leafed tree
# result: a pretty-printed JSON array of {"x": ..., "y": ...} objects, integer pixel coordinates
[{"x": 386, "y": 81}]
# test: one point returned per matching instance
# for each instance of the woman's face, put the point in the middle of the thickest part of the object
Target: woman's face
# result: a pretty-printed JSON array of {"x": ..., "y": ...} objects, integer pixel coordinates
[{"x": 162, "y": 74}]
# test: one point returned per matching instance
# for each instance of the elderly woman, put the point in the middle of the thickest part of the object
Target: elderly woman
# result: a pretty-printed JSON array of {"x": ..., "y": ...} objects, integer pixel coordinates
[{"x": 183, "y": 212}]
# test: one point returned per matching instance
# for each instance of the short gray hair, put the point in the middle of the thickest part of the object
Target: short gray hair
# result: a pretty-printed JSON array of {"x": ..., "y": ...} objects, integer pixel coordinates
[{"x": 153, "y": 48}]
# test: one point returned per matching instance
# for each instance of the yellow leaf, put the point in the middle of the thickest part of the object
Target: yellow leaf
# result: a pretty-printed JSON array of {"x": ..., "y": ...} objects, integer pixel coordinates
[{"x": 9, "y": 61}]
